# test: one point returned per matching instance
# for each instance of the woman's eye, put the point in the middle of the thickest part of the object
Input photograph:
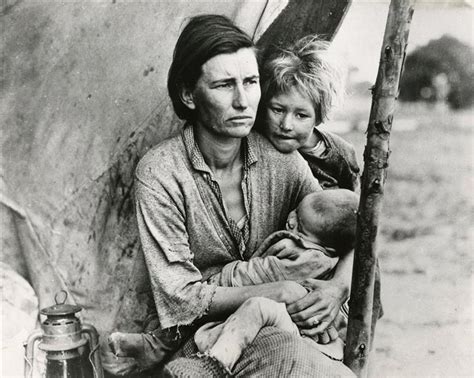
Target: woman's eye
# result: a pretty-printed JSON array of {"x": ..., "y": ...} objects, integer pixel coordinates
[
  {"x": 276, "y": 110},
  {"x": 224, "y": 85},
  {"x": 251, "y": 82}
]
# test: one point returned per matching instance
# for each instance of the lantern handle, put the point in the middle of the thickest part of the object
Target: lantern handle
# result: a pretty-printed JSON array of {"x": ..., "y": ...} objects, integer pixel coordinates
[
  {"x": 94, "y": 355},
  {"x": 29, "y": 351},
  {"x": 57, "y": 297}
]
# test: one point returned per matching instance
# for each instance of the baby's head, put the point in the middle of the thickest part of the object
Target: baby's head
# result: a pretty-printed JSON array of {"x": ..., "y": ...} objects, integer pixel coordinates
[
  {"x": 300, "y": 85},
  {"x": 327, "y": 218}
]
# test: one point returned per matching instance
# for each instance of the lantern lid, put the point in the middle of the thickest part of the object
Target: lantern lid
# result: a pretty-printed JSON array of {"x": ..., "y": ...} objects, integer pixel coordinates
[{"x": 60, "y": 308}]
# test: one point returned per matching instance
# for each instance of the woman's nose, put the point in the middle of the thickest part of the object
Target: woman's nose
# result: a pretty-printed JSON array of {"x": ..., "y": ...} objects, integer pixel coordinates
[
  {"x": 240, "y": 98},
  {"x": 286, "y": 124}
]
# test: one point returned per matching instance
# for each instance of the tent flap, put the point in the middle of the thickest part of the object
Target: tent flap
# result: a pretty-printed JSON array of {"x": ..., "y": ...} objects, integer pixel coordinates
[{"x": 83, "y": 97}]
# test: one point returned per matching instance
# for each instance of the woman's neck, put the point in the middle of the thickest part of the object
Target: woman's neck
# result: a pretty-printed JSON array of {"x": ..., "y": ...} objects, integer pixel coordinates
[{"x": 220, "y": 153}]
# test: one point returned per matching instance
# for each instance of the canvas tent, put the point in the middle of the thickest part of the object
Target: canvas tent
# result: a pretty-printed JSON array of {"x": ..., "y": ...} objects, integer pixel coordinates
[{"x": 82, "y": 98}]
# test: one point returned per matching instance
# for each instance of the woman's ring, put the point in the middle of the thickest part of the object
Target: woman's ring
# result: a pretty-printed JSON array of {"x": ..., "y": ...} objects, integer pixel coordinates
[{"x": 315, "y": 322}]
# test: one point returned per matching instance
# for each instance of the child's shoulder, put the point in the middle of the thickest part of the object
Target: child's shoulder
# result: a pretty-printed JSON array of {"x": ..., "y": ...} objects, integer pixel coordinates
[
  {"x": 338, "y": 142},
  {"x": 338, "y": 145}
]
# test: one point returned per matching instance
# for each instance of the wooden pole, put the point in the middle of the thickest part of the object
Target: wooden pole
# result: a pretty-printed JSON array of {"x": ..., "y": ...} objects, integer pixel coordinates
[{"x": 377, "y": 151}]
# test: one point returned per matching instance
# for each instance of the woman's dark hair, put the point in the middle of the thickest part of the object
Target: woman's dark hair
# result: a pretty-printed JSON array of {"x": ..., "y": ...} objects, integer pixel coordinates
[{"x": 203, "y": 38}]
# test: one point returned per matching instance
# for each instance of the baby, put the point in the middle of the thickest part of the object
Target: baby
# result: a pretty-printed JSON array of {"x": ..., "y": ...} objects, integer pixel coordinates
[
  {"x": 318, "y": 232},
  {"x": 324, "y": 222}
]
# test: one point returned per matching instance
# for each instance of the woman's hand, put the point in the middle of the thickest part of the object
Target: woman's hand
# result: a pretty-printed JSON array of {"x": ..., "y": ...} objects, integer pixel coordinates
[
  {"x": 317, "y": 309},
  {"x": 292, "y": 291}
]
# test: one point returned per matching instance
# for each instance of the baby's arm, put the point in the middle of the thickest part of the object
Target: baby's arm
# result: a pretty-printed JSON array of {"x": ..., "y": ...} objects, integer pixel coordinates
[
  {"x": 283, "y": 260},
  {"x": 226, "y": 341}
]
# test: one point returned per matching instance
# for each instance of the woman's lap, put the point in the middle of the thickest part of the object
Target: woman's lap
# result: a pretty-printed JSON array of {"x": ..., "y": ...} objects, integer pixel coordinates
[{"x": 273, "y": 353}]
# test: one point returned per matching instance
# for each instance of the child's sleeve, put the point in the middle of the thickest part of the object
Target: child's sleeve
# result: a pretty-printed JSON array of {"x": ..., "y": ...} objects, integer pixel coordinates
[{"x": 352, "y": 170}]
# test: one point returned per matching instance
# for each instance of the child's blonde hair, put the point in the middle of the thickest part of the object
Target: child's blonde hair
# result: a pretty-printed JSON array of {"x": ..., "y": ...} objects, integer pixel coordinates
[{"x": 307, "y": 66}]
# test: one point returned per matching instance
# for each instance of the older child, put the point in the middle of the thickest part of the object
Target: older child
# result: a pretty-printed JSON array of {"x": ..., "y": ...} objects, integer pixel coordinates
[{"x": 300, "y": 86}]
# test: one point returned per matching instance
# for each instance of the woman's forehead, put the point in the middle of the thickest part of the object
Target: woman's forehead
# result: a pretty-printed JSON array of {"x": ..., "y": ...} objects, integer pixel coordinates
[{"x": 241, "y": 64}]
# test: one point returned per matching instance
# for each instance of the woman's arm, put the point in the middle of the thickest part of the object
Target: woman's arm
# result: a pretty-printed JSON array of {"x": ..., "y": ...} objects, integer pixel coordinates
[{"x": 228, "y": 299}]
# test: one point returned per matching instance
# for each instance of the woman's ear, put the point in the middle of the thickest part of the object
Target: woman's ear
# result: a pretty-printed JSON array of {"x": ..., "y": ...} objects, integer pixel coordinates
[{"x": 187, "y": 98}]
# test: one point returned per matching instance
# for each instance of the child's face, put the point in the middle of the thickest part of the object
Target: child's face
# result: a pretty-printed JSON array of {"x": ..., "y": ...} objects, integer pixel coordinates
[
  {"x": 290, "y": 119},
  {"x": 300, "y": 220}
]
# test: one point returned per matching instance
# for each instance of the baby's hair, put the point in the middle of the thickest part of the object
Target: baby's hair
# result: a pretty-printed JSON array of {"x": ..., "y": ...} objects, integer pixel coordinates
[
  {"x": 336, "y": 218},
  {"x": 307, "y": 66}
]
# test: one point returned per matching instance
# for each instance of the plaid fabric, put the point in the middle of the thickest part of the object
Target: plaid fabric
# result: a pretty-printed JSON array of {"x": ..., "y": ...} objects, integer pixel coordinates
[{"x": 273, "y": 353}]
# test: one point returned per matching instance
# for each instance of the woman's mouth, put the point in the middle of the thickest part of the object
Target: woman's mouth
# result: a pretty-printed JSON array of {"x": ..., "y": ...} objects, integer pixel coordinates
[{"x": 240, "y": 118}]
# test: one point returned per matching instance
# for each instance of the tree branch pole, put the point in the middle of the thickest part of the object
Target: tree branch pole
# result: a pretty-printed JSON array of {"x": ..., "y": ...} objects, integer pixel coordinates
[{"x": 377, "y": 151}]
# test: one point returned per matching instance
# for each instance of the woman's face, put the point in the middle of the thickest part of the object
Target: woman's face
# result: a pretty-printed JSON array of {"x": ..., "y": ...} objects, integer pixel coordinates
[
  {"x": 226, "y": 96},
  {"x": 289, "y": 120}
]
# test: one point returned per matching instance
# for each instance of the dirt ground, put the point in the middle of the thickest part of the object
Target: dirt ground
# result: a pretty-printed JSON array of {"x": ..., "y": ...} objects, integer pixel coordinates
[{"x": 425, "y": 246}]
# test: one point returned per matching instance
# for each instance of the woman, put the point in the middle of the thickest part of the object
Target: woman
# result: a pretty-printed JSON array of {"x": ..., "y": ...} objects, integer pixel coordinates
[{"x": 212, "y": 194}]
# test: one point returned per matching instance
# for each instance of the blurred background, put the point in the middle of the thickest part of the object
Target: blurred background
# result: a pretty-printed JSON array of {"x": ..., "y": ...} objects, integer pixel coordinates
[{"x": 425, "y": 239}]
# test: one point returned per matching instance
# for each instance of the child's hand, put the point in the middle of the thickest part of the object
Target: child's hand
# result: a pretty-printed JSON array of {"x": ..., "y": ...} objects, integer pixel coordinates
[
  {"x": 116, "y": 365},
  {"x": 327, "y": 341},
  {"x": 125, "y": 353},
  {"x": 328, "y": 335},
  {"x": 126, "y": 344}
]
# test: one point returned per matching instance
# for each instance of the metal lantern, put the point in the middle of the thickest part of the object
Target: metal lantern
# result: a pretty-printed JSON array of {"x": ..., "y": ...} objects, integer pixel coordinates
[{"x": 72, "y": 348}]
